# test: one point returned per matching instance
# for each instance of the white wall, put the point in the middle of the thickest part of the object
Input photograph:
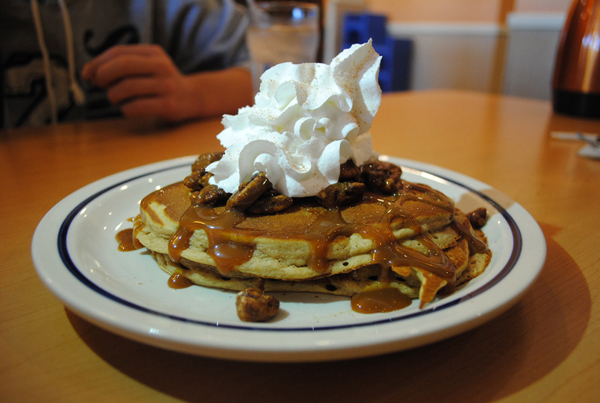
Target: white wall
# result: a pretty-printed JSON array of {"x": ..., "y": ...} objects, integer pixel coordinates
[
  {"x": 532, "y": 44},
  {"x": 461, "y": 56},
  {"x": 516, "y": 59}
]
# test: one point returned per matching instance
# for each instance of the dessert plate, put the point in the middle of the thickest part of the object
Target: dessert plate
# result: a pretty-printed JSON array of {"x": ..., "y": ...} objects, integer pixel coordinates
[{"x": 76, "y": 255}]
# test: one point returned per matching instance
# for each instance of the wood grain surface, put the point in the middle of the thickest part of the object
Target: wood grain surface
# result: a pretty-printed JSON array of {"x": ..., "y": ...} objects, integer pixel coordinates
[{"x": 544, "y": 349}]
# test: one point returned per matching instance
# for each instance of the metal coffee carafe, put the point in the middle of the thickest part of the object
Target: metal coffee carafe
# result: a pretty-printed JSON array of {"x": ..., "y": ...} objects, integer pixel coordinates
[{"x": 576, "y": 84}]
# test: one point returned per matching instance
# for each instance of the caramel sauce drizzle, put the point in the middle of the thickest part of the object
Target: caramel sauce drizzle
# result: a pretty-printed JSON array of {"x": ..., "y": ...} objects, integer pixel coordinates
[
  {"x": 178, "y": 280},
  {"x": 138, "y": 226},
  {"x": 391, "y": 253},
  {"x": 438, "y": 199},
  {"x": 476, "y": 245},
  {"x": 127, "y": 238},
  {"x": 434, "y": 197},
  {"x": 381, "y": 299},
  {"x": 228, "y": 253}
]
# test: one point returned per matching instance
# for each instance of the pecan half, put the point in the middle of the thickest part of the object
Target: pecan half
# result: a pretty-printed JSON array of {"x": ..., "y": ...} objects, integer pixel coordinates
[
  {"x": 210, "y": 195},
  {"x": 197, "y": 180},
  {"x": 270, "y": 202},
  {"x": 349, "y": 172},
  {"x": 477, "y": 217},
  {"x": 205, "y": 160},
  {"x": 249, "y": 192},
  {"x": 254, "y": 306},
  {"x": 382, "y": 176},
  {"x": 341, "y": 193}
]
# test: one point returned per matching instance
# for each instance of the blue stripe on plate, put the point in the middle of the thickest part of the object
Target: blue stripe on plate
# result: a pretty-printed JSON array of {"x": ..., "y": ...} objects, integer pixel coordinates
[{"x": 68, "y": 262}]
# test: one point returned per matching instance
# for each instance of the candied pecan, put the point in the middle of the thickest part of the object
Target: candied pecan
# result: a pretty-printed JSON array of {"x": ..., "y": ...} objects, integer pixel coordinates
[
  {"x": 254, "y": 306},
  {"x": 341, "y": 193},
  {"x": 249, "y": 192},
  {"x": 349, "y": 172},
  {"x": 477, "y": 217},
  {"x": 270, "y": 204},
  {"x": 205, "y": 160},
  {"x": 210, "y": 195},
  {"x": 382, "y": 176},
  {"x": 197, "y": 180}
]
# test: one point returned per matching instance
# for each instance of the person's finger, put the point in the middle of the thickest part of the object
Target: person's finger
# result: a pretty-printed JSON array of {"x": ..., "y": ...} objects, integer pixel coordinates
[
  {"x": 90, "y": 68},
  {"x": 150, "y": 50},
  {"x": 135, "y": 87},
  {"x": 124, "y": 66}
]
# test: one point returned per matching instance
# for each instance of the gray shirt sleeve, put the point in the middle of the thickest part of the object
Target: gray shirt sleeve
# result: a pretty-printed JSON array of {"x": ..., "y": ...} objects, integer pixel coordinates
[{"x": 202, "y": 35}]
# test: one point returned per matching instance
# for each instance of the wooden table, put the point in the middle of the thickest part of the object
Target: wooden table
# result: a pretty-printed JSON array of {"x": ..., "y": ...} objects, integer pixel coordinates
[{"x": 546, "y": 348}]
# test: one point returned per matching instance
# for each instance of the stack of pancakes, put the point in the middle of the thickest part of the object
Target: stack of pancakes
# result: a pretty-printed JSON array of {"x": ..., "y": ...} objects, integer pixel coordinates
[{"x": 414, "y": 240}]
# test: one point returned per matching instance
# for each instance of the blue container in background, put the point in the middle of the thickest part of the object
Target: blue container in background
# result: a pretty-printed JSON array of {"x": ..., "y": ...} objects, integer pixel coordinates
[{"x": 394, "y": 73}]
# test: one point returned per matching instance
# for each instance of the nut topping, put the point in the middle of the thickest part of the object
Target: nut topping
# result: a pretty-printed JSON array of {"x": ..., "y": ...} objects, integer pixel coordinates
[
  {"x": 197, "y": 180},
  {"x": 249, "y": 192},
  {"x": 270, "y": 202},
  {"x": 257, "y": 196},
  {"x": 209, "y": 195},
  {"x": 341, "y": 193},
  {"x": 383, "y": 177},
  {"x": 205, "y": 160},
  {"x": 254, "y": 306},
  {"x": 477, "y": 217},
  {"x": 349, "y": 172}
]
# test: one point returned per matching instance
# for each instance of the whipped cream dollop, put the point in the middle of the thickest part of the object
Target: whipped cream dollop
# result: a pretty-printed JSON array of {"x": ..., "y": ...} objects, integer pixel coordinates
[{"x": 307, "y": 120}]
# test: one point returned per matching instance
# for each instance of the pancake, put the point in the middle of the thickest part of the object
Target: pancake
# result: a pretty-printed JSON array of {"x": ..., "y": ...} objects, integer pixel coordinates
[
  {"x": 413, "y": 282},
  {"x": 412, "y": 239}
]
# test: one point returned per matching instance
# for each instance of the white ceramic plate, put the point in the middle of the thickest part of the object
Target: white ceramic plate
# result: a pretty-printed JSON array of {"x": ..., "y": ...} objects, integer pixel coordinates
[{"x": 75, "y": 253}]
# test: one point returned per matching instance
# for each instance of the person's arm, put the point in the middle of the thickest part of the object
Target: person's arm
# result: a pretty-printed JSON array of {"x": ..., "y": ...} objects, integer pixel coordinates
[{"x": 145, "y": 82}]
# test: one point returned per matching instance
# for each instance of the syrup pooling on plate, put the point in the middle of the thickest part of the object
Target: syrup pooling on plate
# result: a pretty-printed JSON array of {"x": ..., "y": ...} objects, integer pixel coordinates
[
  {"x": 127, "y": 238},
  {"x": 378, "y": 300}
]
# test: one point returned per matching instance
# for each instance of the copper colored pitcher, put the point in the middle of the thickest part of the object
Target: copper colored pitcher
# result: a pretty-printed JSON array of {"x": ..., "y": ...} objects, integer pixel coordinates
[{"x": 576, "y": 84}]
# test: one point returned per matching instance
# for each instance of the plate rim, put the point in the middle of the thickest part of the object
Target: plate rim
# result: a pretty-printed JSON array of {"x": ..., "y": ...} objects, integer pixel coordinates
[{"x": 274, "y": 353}]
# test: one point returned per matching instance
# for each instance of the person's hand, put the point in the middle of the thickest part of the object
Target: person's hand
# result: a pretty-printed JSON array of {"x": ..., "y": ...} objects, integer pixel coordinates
[{"x": 143, "y": 80}]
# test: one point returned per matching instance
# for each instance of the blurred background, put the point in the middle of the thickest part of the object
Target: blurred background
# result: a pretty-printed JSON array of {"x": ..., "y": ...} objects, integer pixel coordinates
[{"x": 499, "y": 46}]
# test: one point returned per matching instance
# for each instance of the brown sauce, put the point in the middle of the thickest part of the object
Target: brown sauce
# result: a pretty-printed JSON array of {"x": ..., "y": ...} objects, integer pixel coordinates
[
  {"x": 125, "y": 240},
  {"x": 138, "y": 226},
  {"x": 390, "y": 253},
  {"x": 475, "y": 244},
  {"x": 429, "y": 195},
  {"x": 228, "y": 253},
  {"x": 378, "y": 300},
  {"x": 178, "y": 281},
  {"x": 179, "y": 242}
]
